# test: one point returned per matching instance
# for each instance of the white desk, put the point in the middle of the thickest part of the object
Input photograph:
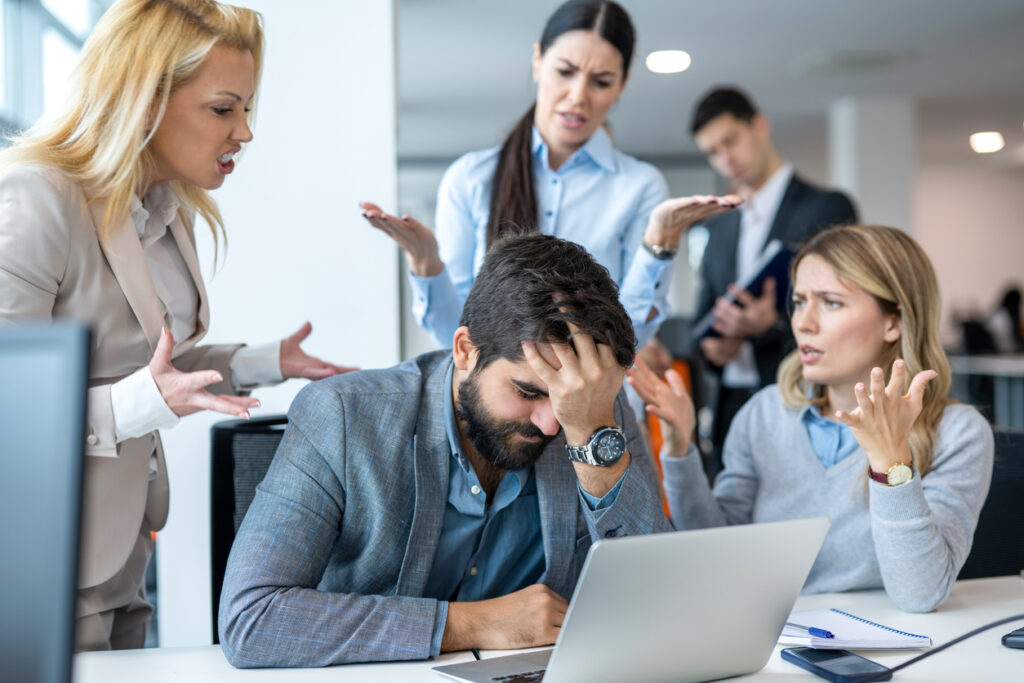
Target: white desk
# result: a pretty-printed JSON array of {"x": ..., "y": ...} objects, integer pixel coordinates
[{"x": 972, "y": 603}]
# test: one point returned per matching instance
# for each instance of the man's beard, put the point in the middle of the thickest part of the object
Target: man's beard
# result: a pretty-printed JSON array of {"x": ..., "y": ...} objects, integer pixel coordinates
[{"x": 495, "y": 440}]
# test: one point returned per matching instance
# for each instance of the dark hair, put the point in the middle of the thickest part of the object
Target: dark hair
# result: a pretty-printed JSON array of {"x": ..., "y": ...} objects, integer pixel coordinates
[
  {"x": 513, "y": 197},
  {"x": 530, "y": 286},
  {"x": 722, "y": 100}
]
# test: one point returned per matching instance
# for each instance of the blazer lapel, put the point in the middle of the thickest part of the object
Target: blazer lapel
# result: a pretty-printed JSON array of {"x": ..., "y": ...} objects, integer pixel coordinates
[
  {"x": 431, "y": 455},
  {"x": 728, "y": 231},
  {"x": 183, "y": 235},
  {"x": 784, "y": 216},
  {"x": 559, "y": 502},
  {"x": 123, "y": 252}
]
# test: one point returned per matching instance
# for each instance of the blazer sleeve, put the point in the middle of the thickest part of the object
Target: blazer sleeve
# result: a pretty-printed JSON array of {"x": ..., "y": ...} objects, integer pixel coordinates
[{"x": 271, "y": 613}]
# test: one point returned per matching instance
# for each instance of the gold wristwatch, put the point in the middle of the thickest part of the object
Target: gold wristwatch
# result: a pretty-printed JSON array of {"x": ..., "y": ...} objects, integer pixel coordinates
[{"x": 894, "y": 476}]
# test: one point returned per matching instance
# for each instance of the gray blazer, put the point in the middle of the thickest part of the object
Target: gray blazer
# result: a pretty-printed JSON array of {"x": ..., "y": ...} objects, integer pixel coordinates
[{"x": 331, "y": 561}]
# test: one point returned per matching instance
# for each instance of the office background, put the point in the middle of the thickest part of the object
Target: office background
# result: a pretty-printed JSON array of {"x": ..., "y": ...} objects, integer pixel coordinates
[{"x": 372, "y": 100}]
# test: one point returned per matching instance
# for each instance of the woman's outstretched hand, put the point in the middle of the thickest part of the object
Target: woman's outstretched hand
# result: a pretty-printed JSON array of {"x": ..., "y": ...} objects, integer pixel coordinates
[
  {"x": 671, "y": 217},
  {"x": 185, "y": 392},
  {"x": 415, "y": 239},
  {"x": 297, "y": 363},
  {"x": 884, "y": 416},
  {"x": 669, "y": 402}
]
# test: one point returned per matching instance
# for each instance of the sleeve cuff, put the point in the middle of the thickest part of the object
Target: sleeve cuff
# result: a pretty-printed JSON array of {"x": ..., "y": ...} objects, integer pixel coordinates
[
  {"x": 440, "y": 619},
  {"x": 596, "y": 504},
  {"x": 138, "y": 406},
  {"x": 898, "y": 503},
  {"x": 644, "y": 287},
  {"x": 254, "y": 366},
  {"x": 677, "y": 470}
]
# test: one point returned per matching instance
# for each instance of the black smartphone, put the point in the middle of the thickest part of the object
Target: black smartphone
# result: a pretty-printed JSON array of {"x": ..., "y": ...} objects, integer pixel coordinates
[{"x": 838, "y": 666}]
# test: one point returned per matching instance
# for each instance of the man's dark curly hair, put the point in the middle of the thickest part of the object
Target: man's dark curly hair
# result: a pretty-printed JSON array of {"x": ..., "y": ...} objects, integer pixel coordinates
[{"x": 530, "y": 286}]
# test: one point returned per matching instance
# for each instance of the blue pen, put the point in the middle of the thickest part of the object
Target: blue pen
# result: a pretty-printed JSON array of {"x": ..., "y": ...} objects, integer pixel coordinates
[{"x": 814, "y": 632}]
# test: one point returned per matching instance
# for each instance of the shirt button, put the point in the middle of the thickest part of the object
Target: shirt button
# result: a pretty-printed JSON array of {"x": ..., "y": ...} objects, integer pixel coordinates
[
  {"x": 472, "y": 571},
  {"x": 549, "y": 213},
  {"x": 92, "y": 439},
  {"x": 475, "y": 490},
  {"x": 554, "y": 181}
]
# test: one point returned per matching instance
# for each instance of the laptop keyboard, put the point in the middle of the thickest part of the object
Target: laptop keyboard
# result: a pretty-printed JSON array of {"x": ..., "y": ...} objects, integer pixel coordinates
[{"x": 526, "y": 677}]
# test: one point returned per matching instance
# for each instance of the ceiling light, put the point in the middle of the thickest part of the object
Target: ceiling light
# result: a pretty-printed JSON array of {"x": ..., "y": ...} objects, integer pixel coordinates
[
  {"x": 668, "y": 61},
  {"x": 987, "y": 142}
]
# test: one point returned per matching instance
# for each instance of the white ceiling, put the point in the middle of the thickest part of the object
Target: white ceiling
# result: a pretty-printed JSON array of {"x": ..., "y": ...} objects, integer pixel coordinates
[{"x": 464, "y": 68}]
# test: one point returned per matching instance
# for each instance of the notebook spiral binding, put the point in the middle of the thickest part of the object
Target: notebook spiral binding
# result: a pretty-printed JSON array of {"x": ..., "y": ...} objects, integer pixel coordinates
[{"x": 884, "y": 628}]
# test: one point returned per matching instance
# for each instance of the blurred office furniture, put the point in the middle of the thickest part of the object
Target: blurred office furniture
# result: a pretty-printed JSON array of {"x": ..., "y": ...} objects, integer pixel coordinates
[
  {"x": 44, "y": 371},
  {"x": 1006, "y": 372},
  {"x": 998, "y": 547},
  {"x": 240, "y": 456}
]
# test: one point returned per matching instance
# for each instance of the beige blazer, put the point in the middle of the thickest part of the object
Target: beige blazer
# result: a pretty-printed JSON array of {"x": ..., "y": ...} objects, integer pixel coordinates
[{"x": 53, "y": 264}]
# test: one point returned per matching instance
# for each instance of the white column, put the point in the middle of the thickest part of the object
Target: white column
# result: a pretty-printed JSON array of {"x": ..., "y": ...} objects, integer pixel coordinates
[
  {"x": 298, "y": 247},
  {"x": 872, "y": 156}
]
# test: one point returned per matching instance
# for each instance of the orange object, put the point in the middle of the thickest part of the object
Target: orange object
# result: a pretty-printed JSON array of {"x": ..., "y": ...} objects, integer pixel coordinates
[{"x": 654, "y": 424}]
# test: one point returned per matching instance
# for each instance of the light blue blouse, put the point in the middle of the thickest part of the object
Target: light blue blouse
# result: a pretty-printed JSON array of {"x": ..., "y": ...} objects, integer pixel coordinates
[{"x": 599, "y": 198}]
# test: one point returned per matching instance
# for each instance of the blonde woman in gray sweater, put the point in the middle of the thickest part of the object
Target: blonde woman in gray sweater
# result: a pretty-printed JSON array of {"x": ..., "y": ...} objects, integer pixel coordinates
[{"x": 859, "y": 428}]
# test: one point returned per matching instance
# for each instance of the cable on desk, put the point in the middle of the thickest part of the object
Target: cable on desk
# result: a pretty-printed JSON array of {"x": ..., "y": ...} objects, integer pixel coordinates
[{"x": 940, "y": 648}]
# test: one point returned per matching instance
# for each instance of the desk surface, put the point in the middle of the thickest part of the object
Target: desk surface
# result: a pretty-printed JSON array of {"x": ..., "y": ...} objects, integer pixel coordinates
[
  {"x": 996, "y": 364},
  {"x": 971, "y": 604}
]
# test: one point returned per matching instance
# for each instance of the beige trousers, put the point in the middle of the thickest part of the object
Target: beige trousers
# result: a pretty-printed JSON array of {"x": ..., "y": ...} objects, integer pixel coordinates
[{"x": 115, "y": 615}]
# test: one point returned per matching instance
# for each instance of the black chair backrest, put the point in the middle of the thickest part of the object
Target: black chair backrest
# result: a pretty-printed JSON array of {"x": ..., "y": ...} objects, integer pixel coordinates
[
  {"x": 998, "y": 548},
  {"x": 240, "y": 456}
]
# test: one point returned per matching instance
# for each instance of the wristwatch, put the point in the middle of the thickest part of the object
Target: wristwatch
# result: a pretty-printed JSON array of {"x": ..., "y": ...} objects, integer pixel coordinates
[
  {"x": 894, "y": 476},
  {"x": 605, "y": 447},
  {"x": 660, "y": 251}
]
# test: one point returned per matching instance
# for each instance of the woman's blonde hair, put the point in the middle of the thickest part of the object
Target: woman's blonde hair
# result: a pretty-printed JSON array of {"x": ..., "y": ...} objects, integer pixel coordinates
[
  {"x": 139, "y": 52},
  {"x": 888, "y": 264}
]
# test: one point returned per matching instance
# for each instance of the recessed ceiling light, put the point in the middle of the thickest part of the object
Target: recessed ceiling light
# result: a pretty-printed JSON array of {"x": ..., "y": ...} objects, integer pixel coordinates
[
  {"x": 668, "y": 61},
  {"x": 987, "y": 142}
]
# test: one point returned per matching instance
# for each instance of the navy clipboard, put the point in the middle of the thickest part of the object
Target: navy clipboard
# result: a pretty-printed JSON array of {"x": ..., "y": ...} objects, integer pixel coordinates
[{"x": 773, "y": 263}]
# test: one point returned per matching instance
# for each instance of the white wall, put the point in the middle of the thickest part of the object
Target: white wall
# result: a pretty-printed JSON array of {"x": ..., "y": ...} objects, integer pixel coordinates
[
  {"x": 970, "y": 220},
  {"x": 298, "y": 248}
]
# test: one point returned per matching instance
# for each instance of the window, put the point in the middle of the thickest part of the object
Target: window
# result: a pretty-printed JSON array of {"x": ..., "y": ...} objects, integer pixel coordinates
[{"x": 39, "y": 45}]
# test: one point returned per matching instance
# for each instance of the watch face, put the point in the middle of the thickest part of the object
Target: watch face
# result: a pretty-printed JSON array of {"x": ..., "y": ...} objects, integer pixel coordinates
[
  {"x": 609, "y": 445},
  {"x": 899, "y": 474}
]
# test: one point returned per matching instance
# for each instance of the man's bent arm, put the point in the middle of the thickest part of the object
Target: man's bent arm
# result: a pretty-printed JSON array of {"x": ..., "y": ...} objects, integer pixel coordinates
[{"x": 270, "y": 612}]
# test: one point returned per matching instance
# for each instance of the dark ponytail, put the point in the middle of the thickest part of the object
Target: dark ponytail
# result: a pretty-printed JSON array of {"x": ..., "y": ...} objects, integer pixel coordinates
[{"x": 513, "y": 195}]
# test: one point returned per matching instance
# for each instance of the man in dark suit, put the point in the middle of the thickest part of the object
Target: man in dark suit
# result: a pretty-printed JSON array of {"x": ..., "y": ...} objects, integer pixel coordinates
[
  {"x": 778, "y": 204},
  {"x": 449, "y": 502}
]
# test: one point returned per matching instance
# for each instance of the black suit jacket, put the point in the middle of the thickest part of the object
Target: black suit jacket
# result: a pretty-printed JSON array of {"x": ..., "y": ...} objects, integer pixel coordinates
[{"x": 804, "y": 211}]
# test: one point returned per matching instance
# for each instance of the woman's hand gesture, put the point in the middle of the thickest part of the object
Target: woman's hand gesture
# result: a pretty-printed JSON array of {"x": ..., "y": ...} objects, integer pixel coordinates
[
  {"x": 415, "y": 239},
  {"x": 669, "y": 402},
  {"x": 297, "y": 363},
  {"x": 883, "y": 418},
  {"x": 185, "y": 392},
  {"x": 671, "y": 217}
]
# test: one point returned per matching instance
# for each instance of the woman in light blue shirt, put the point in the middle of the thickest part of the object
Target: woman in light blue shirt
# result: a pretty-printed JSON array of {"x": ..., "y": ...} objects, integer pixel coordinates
[{"x": 559, "y": 173}]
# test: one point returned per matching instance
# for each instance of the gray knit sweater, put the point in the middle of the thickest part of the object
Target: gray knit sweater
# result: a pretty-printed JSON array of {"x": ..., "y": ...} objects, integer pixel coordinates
[{"x": 910, "y": 539}]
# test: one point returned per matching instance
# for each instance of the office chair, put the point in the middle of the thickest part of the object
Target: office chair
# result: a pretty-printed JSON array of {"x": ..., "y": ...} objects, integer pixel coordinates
[
  {"x": 241, "y": 451},
  {"x": 998, "y": 547}
]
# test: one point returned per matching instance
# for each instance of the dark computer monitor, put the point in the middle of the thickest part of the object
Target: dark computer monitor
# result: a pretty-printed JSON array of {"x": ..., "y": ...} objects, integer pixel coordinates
[{"x": 44, "y": 374}]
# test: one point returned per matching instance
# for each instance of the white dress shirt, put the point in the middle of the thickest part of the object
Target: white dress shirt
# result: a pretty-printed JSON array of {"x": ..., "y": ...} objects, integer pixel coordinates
[
  {"x": 756, "y": 217},
  {"x": 136, "y": 401}
]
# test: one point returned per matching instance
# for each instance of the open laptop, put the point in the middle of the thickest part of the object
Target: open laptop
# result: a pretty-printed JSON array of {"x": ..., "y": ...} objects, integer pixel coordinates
[
  {"x": 683, "y": 606},
  {"x": 44, "y": 371}
]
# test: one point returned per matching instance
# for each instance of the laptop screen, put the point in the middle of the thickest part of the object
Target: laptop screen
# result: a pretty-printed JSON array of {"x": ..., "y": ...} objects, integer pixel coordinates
[{"x": 43, "y": 382}]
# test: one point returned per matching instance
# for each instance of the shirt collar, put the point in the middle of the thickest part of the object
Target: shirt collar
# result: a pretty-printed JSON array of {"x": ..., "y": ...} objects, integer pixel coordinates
[
  {"x": 153, "y": 213},
  {"x": 598, "y": 148},
  {"x": 765, "y": 202}
]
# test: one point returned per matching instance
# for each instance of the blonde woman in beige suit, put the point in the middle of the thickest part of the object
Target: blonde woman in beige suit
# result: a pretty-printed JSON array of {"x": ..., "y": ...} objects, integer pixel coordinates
[{"x": 96, "y": 223}]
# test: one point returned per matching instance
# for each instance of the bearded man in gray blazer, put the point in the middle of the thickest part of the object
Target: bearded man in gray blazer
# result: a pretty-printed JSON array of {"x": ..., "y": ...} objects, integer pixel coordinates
[{"x": 448, "y": 503}]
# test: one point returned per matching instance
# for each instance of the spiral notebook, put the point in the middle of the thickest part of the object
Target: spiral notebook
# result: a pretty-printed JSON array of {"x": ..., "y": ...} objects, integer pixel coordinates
[{"x": 851, "y": 633}]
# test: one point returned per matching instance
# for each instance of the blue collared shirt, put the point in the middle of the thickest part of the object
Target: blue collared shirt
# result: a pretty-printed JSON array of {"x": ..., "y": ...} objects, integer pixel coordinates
[
  {"x": 831, "y": 441},
  {"x": 487, "y": 550},
  {"x": 599, "y": 198}
]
